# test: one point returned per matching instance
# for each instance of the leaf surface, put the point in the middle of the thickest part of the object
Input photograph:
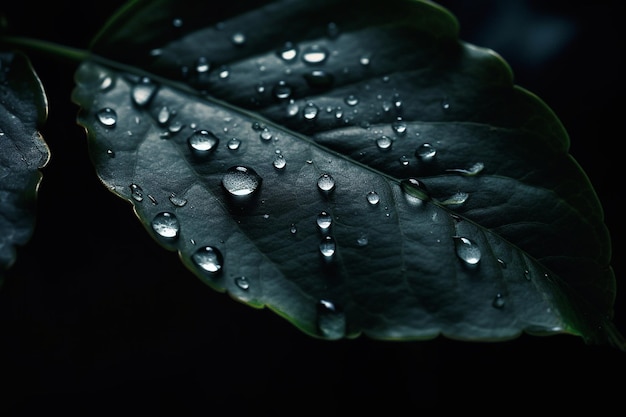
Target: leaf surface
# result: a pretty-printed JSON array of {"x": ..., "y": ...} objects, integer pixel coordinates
[
  {"x": 23, "y": 152},
  {"x": 454, "y": 205}
]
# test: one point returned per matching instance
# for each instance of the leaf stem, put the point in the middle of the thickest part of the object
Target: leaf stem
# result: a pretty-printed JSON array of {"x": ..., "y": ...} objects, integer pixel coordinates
[{"x": 46, "y": 47}]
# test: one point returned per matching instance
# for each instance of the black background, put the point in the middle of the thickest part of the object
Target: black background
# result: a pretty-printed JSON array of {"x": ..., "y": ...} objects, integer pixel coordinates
[{"x": 97, "y": 319}]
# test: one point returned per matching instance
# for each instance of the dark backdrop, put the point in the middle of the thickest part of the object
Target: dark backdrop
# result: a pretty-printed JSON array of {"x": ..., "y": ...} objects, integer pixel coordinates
[{"x": 103, "y": 321}]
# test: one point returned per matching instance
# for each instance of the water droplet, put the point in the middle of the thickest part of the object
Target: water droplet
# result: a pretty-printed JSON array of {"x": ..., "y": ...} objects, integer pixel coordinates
[
  {"x": 209, "y": 259},
  {"x": 107, "y": 117},
  {"x": 288, "y": 52},
  {"x": 373, "y": 198},
  {"x": 234, "y": 144},
  {"x": 331, "y": 323},
  {"x": 527, "y": 274},
  {"x": 265, "y": 135},
  {"x": 362, "y": 240},
  {"x": 328, "y": 247},
  {"x": 242, "y": 282},
  {"x": 310, "y": 111},
  {"x": 502, "y": 263},
  {"x": 202, "y": 65},
  {"x": 400, "y": 127},
  {"x": 177, "y": 201},
  {"x": 279, "y": 161},
  {"x": 324, "y": 221},
  {"x": 293, "y": 229},
  {"x": 177, "y": 22},
  {"x": 282, "y": 90},
  {"x": 238, "y": 38},
  {"x": 241, "y": 181},
  {"x": 166, "y": 225},
  {"x": 202, "y": 142},
  {"x": 415, "y": 188},
  {"x": 143, "y": 92},
  {"x": 164, "y": 115},
  {"x": 365, "y": 60},
  {"x": 319, "y": 79},
  {"x": 384, "y": 142},
  {"x": 498, "y": 301},
  {"x": 351, "y": 100},
  {"x": 326, "y": 182},
  {"x": 136, "y": 192},
  {"x": 456, "y": 199},
  {"x": 332, "y": 30},
  {"x": 292, "y": 108},
  {"x": 111, "y": 153},
  {"x": 425, "y": 152},
  {"x": 404, "y": 160},
  {"x": 223, "y": 72},
  {"x": 473, "y": 170},
  {"x": 314, "y": 55},
  {"x": 445, "y": 104},
  {"x": 467, "y": 250}
]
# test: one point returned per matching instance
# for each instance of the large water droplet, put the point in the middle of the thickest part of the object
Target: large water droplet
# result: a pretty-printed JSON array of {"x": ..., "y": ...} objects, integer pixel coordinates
[
  {"x": 107, "y": 117},
  {"x": 326, "y": 182},
  {"x": 209, "y": 259},
  {"x": 415, "y": 188},
  {"x": 373, "y": 198},
  {"x": 328, "y": 247},
  {"x": 384, "y": 142},
  {"x": 314, "y": 55},
  {"x": 143, "y": 92},
  {"x": 425, "y": 152},
  {"x": 467, "y": 250},
  {"x": 241, "y": 181},
  {"x": 331, "y": 323},
  {"x": 202, "y": 142},
  {"x": 324, "y": 221},
  {"x": 166, "y": 225}
]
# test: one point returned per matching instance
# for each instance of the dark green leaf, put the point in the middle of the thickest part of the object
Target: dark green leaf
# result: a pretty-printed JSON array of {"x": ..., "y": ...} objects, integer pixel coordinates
[
  {"x": 23, "y": 152},
  {"x": 485, "y": 226}
]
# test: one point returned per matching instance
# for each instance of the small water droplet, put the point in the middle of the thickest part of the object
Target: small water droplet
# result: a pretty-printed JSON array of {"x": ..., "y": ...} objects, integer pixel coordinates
[
  {"x": 400, "y": 127},
  {"x": 136, "y": 192},
  {"x": 238, "y": 38},
  {"x": 209, "y": 259},
  {"x": 365, "y": 60},
  {"x": 498, "y": 301},
  {"x": 373, "y": 198},
  {"x": 527, "y": 274},
  {"x": 332, "y": 30},
  {"x": 425, "y": 152},
  {"x": 265, "y": 135},
  {"x": 473, "y": 170},
  {"x": 328, "y": 247},
  {"x": 292, "y": 108},
  {"x": 415, "y": 188},
  {"x": 111, "y": 153},
  {"x": 233, "y": 144},
  {"x": 241, "y": 181},
  {"x": 362, "y": 240},
  {"x": 107, "y": 117},
  {"x": 467, "y": 250},
  {"x": 310, "y": 111},
  {"x": 331, "y": 323},
  {"x": 326, "y": 182},
  {"x": 279, "y": 161},
  {"x": 288, "y": 52},
  {"x": 177, "y": 22},
  {"x": 445, "y": 104},
  {"x": 164, "y": 115},
  {"x": 404, "y": 160},
  {"x": 293, "y": 229},
  {"x": 202, "y": 65},
  {"x": 242, "y": 282},
  {"x": 143, "y": 92},
  {"x": 177, "y": 201},
  {"x": 314, "y": 55},
  {"x": 166, "y": 225},
  {"x": 282, "y": 90},
  {"x": 223, "y": 72},
  {"x": 324, "y": 221},
  {"x": 384, "y": 142},
  {"x": 502, "y": 263},
  {"x": 351, "y": 100},
  {"x": 202, "y": 142},
  {"x": 456, "y": 199}
]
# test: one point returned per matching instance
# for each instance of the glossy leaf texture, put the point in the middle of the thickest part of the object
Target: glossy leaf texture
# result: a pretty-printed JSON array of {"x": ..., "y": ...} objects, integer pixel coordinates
[
  {"x": 23, "y": 153},
  {"x": 353, "y": 166}
]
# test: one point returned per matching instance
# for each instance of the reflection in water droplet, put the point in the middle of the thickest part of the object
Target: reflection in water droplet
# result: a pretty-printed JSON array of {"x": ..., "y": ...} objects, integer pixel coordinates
[
  {"x": 241, "y": 181},
  {"x": 473, "y": 170},
  {"x": 467, "y": 250},
  {"x": 498, "y": 301},
  {"x": 202, "y": 142},
  {"x": 242, "y": 282},
  {"x": 314, "y": 55},
  {"x": 326, "y": 182},
  {"x": 324, "y": 221},
  {"x": 234, "y": 144},
  {"x": 384, "y": 142},
  {"x": 143, "y": 92},
  {"x": 136, "y": 192},
  {"x": 166, "y": 225},
  {"x": 279, "y": 161},
  {"x": 328, "y": 247},
  {"x": 373, "y": 198},
  {"x": 425, "y": 152},
  {"x": 107, "y": 117},
  {"x": 331, "y": 323},
  {"x": 209, "y": 259},
  {"x": 415, "y": 188}
]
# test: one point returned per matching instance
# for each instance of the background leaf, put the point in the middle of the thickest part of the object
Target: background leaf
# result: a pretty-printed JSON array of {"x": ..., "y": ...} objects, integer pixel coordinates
[
  {"x": 23, "y": 153},
  {"x": 395, "y": 73}
]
